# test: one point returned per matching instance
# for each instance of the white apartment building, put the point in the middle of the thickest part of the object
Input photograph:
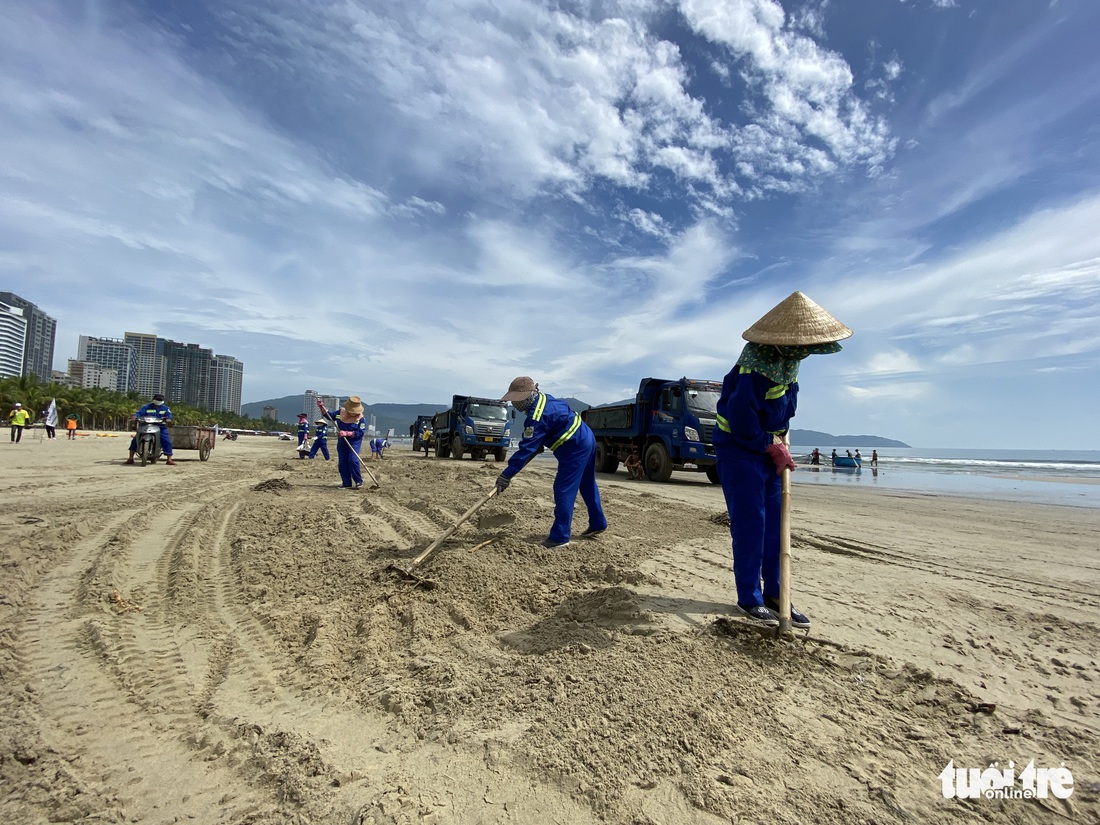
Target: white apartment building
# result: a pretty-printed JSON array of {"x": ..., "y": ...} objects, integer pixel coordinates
[
  {"x": 111, "y": 353},
  {"x": 13, "y": 340},
  {"x": 226, "y": 379}
]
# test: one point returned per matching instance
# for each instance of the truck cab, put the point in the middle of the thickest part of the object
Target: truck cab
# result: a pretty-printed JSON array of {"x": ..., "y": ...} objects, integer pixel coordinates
[
  {"x": 421, "y": 432},
  {"x": 479, "y": 426}
]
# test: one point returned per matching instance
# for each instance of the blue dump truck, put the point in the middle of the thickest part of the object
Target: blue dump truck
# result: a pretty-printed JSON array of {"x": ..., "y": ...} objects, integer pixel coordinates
[
  {"x": 479, "y": 426},
  {"x": 669, "y": 425},
  {"x": 421, "y": 432}
]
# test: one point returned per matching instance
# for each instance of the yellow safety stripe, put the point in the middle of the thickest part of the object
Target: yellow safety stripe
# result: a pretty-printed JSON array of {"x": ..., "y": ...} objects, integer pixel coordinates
[
  {"x": 724, "y": 425},
  {"x": 777, "y": 391},
  {"x": 576, "y": 425},
  {"x": 540, "y": 405}
]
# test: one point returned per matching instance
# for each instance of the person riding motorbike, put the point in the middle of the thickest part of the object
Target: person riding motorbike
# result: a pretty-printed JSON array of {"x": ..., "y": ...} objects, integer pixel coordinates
[{"x": 156, "y": 409}]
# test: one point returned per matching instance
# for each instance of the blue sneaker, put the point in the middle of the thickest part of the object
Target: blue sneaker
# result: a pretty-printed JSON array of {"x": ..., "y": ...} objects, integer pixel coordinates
[
  {"x": 550, "y": 544},
  {"x": 593, "y": 531},
  {"x": 759, "y": 615},
  {"x": 797, "y": 619}
]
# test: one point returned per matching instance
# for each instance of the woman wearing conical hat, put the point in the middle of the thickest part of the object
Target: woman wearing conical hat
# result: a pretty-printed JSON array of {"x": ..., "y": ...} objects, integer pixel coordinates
[
  {"x": 350, "y": 427},
  {"x": 758, "y": 400}
]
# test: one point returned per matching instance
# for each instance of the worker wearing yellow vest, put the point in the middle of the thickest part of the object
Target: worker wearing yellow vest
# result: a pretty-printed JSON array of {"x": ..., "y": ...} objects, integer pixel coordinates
[
  {"x": 551, "y": 424},
  {"x": 758, "y": 400},
  {"x": 18, "y": 418}
]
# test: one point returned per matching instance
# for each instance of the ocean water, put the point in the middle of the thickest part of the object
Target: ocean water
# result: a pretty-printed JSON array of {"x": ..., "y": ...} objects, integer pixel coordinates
[{"x": 1043, "y": 477}]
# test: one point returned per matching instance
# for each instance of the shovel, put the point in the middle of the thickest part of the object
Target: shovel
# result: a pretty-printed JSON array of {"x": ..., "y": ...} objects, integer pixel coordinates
[{"x": 409, "y": 572}]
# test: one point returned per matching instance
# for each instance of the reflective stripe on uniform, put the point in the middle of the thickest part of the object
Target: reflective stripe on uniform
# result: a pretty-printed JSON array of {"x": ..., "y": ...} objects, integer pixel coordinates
[
  {"x": 576, "y": 425},
  {"x": 540, "y": 405},
  {"x": 724, "y": 425},
  {"x": 777, "y": 391}
]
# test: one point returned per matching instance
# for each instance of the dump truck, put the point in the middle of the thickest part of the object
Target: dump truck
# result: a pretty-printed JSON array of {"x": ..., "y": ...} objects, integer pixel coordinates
[
  {"x": 670, "y": 425},
  {"x": 421, "y": 432},
  {"x": 478, "y": 426}
]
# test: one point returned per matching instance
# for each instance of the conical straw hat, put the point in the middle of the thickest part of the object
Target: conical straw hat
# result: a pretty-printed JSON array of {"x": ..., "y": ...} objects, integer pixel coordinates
[{"x": 796, "y": 321}]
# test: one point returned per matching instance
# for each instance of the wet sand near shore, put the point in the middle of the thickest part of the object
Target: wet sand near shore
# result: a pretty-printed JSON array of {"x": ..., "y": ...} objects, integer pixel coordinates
[{"x": 225, "y": 641}]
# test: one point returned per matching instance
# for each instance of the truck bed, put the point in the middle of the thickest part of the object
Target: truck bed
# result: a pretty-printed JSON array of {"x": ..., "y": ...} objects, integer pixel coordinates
[{"x": 617, "y": 420}]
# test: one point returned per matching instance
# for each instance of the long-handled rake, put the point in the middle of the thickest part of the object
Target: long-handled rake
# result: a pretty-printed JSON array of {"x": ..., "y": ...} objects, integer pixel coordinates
[{"x": 410, "y": 571}]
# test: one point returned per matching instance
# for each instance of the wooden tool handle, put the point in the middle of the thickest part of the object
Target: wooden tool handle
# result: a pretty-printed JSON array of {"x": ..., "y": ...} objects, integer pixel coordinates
[{"x": 450, "y": 531}]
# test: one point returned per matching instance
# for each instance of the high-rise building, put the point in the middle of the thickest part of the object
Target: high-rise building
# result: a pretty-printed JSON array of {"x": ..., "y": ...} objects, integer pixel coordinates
[
  {"x": 152, "y": 365},
  {"x": 111, "y": 353},
  {"x": 309, "y": 402},
  {"x": 271, "y": 414},
  {"x": 227, "y": 376},
  {"x": 39, "y": 340},
  {"x": 189, "y": 374},
  {"x": 13, "y": 340},
  {"x": 90, "y": 375}
]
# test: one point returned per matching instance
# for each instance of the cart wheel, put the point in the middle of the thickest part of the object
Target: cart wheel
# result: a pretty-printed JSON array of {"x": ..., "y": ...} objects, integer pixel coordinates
[{"x": 204, "y": 450}]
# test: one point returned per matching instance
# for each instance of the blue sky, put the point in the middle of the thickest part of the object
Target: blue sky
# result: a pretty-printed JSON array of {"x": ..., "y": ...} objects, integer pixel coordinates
[{"x": 408, "y": 200}]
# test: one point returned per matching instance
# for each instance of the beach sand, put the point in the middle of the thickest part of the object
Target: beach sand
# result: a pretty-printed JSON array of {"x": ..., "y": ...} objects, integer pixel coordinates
[{"x": 223, "y": 642}]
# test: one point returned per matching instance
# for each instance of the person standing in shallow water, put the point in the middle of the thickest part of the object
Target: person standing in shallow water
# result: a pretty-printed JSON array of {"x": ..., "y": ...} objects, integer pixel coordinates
[
  {"x": 350, "y": 427},
  {"x": 758, "y": 400}
]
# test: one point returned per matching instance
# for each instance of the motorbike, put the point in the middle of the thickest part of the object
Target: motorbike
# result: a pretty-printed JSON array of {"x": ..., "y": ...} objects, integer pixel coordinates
[{"x": 148, "y": 439}]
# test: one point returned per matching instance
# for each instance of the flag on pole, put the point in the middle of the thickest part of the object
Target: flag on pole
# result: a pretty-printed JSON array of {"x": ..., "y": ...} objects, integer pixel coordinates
[{"x": 51, "y": 414}]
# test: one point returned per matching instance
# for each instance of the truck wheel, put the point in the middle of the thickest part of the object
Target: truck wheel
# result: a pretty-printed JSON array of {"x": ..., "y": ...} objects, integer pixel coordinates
[
  {"x": 658, "y": 466},
  {"x": 456, "y": 448},
  {"x": 204, "y": 450},
  {"x": 441, "y": 450},
  {"x": 605, "y": 462},
  {"x": 712, "y": 474},
  {"x": 501, "y": 453}
]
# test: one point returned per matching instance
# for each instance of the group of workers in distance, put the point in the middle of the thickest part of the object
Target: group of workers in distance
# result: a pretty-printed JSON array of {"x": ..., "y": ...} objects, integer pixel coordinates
[{"x": 758, "y": 400}]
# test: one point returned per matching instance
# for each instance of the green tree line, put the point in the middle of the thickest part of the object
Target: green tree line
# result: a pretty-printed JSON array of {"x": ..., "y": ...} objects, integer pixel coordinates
[{"x": 101, "y": 409}]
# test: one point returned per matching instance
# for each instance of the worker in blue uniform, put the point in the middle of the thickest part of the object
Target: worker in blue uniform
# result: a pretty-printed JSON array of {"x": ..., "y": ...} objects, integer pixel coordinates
[
  {"x": 320, "y": 438},
  {"x": 551, "y": 424},
  {"x": 350, "y": 428},
  {"x": 303, "y": 434},
  {"x": 758, "y": 400},
  {"x": 159, "y": 410}
]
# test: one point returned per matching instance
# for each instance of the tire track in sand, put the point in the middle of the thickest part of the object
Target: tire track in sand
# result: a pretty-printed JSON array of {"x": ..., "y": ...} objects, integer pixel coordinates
[{"x": 92, "y": 674}]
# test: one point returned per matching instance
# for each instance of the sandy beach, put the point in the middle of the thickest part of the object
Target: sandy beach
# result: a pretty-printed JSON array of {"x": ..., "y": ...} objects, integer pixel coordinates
[{"x": 224, "y": 642}]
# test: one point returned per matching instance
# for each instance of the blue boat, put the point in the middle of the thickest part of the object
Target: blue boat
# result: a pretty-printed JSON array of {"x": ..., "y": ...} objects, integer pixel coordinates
[{"x": 847, "y": 461}]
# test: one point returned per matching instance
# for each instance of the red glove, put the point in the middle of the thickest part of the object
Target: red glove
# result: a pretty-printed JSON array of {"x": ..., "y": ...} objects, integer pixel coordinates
[{"x": 781, "y": 457}]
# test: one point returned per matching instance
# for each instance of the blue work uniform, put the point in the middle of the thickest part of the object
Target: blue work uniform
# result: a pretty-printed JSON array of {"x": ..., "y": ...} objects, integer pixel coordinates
[
  {"x": 751, "y": 409},
  {"x": 303, "y": 434},
  {"x": 164, "y": 414},
  {"x": 350, "y": 440},
  {"x": 550, "y": 423},
  {"x": 320, "y": 441}
]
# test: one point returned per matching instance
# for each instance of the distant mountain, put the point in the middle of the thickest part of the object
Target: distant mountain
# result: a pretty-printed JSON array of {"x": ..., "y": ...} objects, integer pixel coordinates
[
  {"x": 399, "y": 417},
  {"x": 813, "y": 438},
  {"x": 396, "y": 417}
]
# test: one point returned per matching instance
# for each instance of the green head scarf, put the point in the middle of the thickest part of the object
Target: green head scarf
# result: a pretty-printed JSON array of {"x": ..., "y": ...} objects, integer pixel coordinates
[{"x": 780, "y": 363}]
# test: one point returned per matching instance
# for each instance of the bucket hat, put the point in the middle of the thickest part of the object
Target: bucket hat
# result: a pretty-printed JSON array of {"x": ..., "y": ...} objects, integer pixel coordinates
[
  {"x": 796, "y": 321},
  {"x": 354, "y": 405},
  {"x": 520, "y": 388}
]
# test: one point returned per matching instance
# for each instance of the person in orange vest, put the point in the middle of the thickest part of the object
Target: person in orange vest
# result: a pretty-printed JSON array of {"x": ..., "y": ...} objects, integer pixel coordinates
[{"x": 70, "y": 425}]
